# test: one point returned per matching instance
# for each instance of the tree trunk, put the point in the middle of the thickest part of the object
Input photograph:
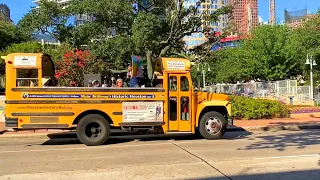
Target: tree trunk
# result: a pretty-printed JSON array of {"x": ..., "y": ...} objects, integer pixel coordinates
[
  {"x": 149, "y": 64},
  {"x": 164, "y": 50}
]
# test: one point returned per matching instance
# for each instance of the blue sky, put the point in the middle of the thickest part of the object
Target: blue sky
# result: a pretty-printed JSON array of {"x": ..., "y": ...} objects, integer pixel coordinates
[{"x": 20, "y": 7}]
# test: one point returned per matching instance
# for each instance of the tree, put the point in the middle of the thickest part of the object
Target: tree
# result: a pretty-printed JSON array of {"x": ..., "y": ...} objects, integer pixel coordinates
[
  {"x": 156, "y": 30},
  {"x": 50, "y": 19},
  {"x": 24, "y": 47},
  {"x": 10, "y": 34},
  {"x": 179, "y": 22},
  {"x": 267, "y": 51},
  {"x": 116, "y": 52},
  {"x": 267, "y": 55},
  {"x": 305, "y": 40}
]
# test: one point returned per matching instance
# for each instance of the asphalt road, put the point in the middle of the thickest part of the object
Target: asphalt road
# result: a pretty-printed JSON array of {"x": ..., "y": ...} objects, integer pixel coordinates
[{"x": 279, "y": 155}]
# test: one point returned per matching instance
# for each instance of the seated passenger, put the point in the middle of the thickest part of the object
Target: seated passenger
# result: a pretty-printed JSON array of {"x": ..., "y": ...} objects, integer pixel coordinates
[
  {"x": 105, "y": 84},
  {"x": 72, "y": 83},
  {"x": 119, "y": 83},
  {"x": 173, "y": 83},
  {"x": 95, "y": 83}
]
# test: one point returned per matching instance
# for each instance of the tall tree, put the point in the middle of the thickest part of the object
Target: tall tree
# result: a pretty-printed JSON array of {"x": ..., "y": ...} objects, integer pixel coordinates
[
  {"x": 157, "y": 29},
  {"x": 48, "y": 18},
  {"x": 306, "y": 40},
  {"x": 10, "y": 34}
]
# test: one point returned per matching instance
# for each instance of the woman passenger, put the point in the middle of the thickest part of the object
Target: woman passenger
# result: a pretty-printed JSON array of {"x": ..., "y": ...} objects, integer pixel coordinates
[{"x": 119, "y": 83}]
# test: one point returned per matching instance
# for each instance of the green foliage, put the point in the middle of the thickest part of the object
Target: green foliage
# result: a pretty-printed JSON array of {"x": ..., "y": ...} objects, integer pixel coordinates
[
  {"x": 305, "y": 40},
  {"x": 49, "y": 18},
  {"x": 10, "y": 34},
  {"x": 24, "y": 47},
  {"x": 57, "y": 51},
  {"x": 157, "y": 30},
  {"x": 268, "y": 54},
  {"x": 147, "y": 31},
  {"x": 116, "y": 52},
  {"x": 249, "y": 108}
]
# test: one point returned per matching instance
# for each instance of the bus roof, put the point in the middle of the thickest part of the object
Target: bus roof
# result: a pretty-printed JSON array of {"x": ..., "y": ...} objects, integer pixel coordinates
[{"x": 31, "y": 61}]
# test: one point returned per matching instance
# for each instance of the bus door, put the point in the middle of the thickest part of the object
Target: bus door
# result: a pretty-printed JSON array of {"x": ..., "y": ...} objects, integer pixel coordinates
[{"x": 179, "y": 103}]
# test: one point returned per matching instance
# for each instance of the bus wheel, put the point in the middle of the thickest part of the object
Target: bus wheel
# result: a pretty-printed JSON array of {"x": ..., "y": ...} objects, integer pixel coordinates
[
  {"x": 93, "y": 129},
  {"x": 212, "y": 125}
]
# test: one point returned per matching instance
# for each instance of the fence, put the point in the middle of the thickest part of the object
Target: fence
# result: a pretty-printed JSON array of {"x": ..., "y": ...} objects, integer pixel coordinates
[
  {"x": 279, "y": 90},
  {"x": 258, "y": 89}
]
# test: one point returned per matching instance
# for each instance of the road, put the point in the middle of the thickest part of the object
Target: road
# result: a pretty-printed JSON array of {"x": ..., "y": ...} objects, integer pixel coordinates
[{"x": 279, "y": 155}]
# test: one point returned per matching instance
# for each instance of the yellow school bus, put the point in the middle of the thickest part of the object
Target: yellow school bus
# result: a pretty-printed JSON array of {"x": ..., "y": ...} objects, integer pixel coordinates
[{"x": 173, "y": 107}]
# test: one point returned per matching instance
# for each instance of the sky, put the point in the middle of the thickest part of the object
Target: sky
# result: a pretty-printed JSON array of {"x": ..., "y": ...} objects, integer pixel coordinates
[{"x": 20, "y": 7}]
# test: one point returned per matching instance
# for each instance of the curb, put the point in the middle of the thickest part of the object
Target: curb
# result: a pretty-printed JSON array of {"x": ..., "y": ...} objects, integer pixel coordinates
[{"x": 293, "y": 127}]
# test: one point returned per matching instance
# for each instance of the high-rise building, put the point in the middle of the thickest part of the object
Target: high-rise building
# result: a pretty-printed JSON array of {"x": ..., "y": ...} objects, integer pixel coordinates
[
  {"x": 244, "y": 15},
  {"x": 4, "y": 13},
  {"x": 208, "y": 6},
  {"x": 295, "y": 19}
]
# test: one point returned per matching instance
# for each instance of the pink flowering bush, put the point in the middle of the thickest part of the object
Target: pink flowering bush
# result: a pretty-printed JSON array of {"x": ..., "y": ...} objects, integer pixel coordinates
[{"x": 73, "y": 66}]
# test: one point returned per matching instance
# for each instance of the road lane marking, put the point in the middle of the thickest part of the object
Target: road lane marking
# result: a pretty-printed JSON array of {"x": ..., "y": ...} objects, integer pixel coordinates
[
  {"x": 86, "y": 148},
  {"x": 297, "y": 156}
]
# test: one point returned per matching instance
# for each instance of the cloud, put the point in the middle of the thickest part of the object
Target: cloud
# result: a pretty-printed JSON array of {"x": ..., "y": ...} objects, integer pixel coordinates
[{"x": 260, "y": 19}]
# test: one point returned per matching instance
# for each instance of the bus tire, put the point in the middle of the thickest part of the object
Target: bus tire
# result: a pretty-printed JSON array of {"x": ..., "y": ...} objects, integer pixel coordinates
[
  {"x": 93, "y": 130},
  {"x": 212, "y": 125}
]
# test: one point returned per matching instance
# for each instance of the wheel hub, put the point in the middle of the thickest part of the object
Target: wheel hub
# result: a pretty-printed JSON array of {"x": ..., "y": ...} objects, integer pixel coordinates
[
  {"x": 93, "y": 130},
  {"x": 213, "y": 125}
]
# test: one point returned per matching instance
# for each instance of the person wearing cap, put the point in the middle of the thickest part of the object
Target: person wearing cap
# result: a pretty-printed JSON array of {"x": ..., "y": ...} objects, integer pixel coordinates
[{"x": 95, "y": 83}]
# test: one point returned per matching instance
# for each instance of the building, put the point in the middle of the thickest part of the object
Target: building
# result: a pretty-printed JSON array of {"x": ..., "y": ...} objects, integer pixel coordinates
[
  {"x": 5, "y": 13},
  {"x": 295, "y": 19},
  {"x": 198, "y": 38},
  {"x": 228, "y": 42},
  {"x": 245, "y": 15}
]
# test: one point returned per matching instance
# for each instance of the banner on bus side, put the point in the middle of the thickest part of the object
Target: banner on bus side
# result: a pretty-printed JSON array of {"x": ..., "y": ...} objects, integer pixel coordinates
[{"x": 142, "y": 111}]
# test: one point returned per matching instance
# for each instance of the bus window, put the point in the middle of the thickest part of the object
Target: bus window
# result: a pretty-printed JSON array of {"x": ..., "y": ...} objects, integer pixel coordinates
[
  {"x": 184, "y": 83},
  {"x": 173, "y": 83},
  {"x": 27, "y": 77}
]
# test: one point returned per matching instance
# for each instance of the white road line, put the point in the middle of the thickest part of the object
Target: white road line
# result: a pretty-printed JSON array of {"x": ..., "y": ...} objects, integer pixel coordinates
[
  {"x": 297, "y": 156},
  {"x": 86, "y": 148}
]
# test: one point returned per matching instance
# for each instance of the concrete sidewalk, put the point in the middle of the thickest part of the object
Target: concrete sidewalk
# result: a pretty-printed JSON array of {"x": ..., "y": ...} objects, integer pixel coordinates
[{"x": 295, "y": 122}]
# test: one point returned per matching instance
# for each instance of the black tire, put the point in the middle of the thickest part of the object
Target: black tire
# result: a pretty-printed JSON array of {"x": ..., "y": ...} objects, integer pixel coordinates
[
  {"x": 215, "y": 119},
  {"x": 93, "y": 130}
]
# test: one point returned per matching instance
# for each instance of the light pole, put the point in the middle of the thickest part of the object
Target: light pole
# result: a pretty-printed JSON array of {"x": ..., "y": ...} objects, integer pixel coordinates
[
  {"x": 312, "y": 63},
  {"x": 204, "y": 65}
]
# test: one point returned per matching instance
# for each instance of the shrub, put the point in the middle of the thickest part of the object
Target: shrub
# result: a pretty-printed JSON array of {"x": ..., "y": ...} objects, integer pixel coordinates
[
  {"x": 249, "y": 108},
  {"x": 75, "y": 64}
]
